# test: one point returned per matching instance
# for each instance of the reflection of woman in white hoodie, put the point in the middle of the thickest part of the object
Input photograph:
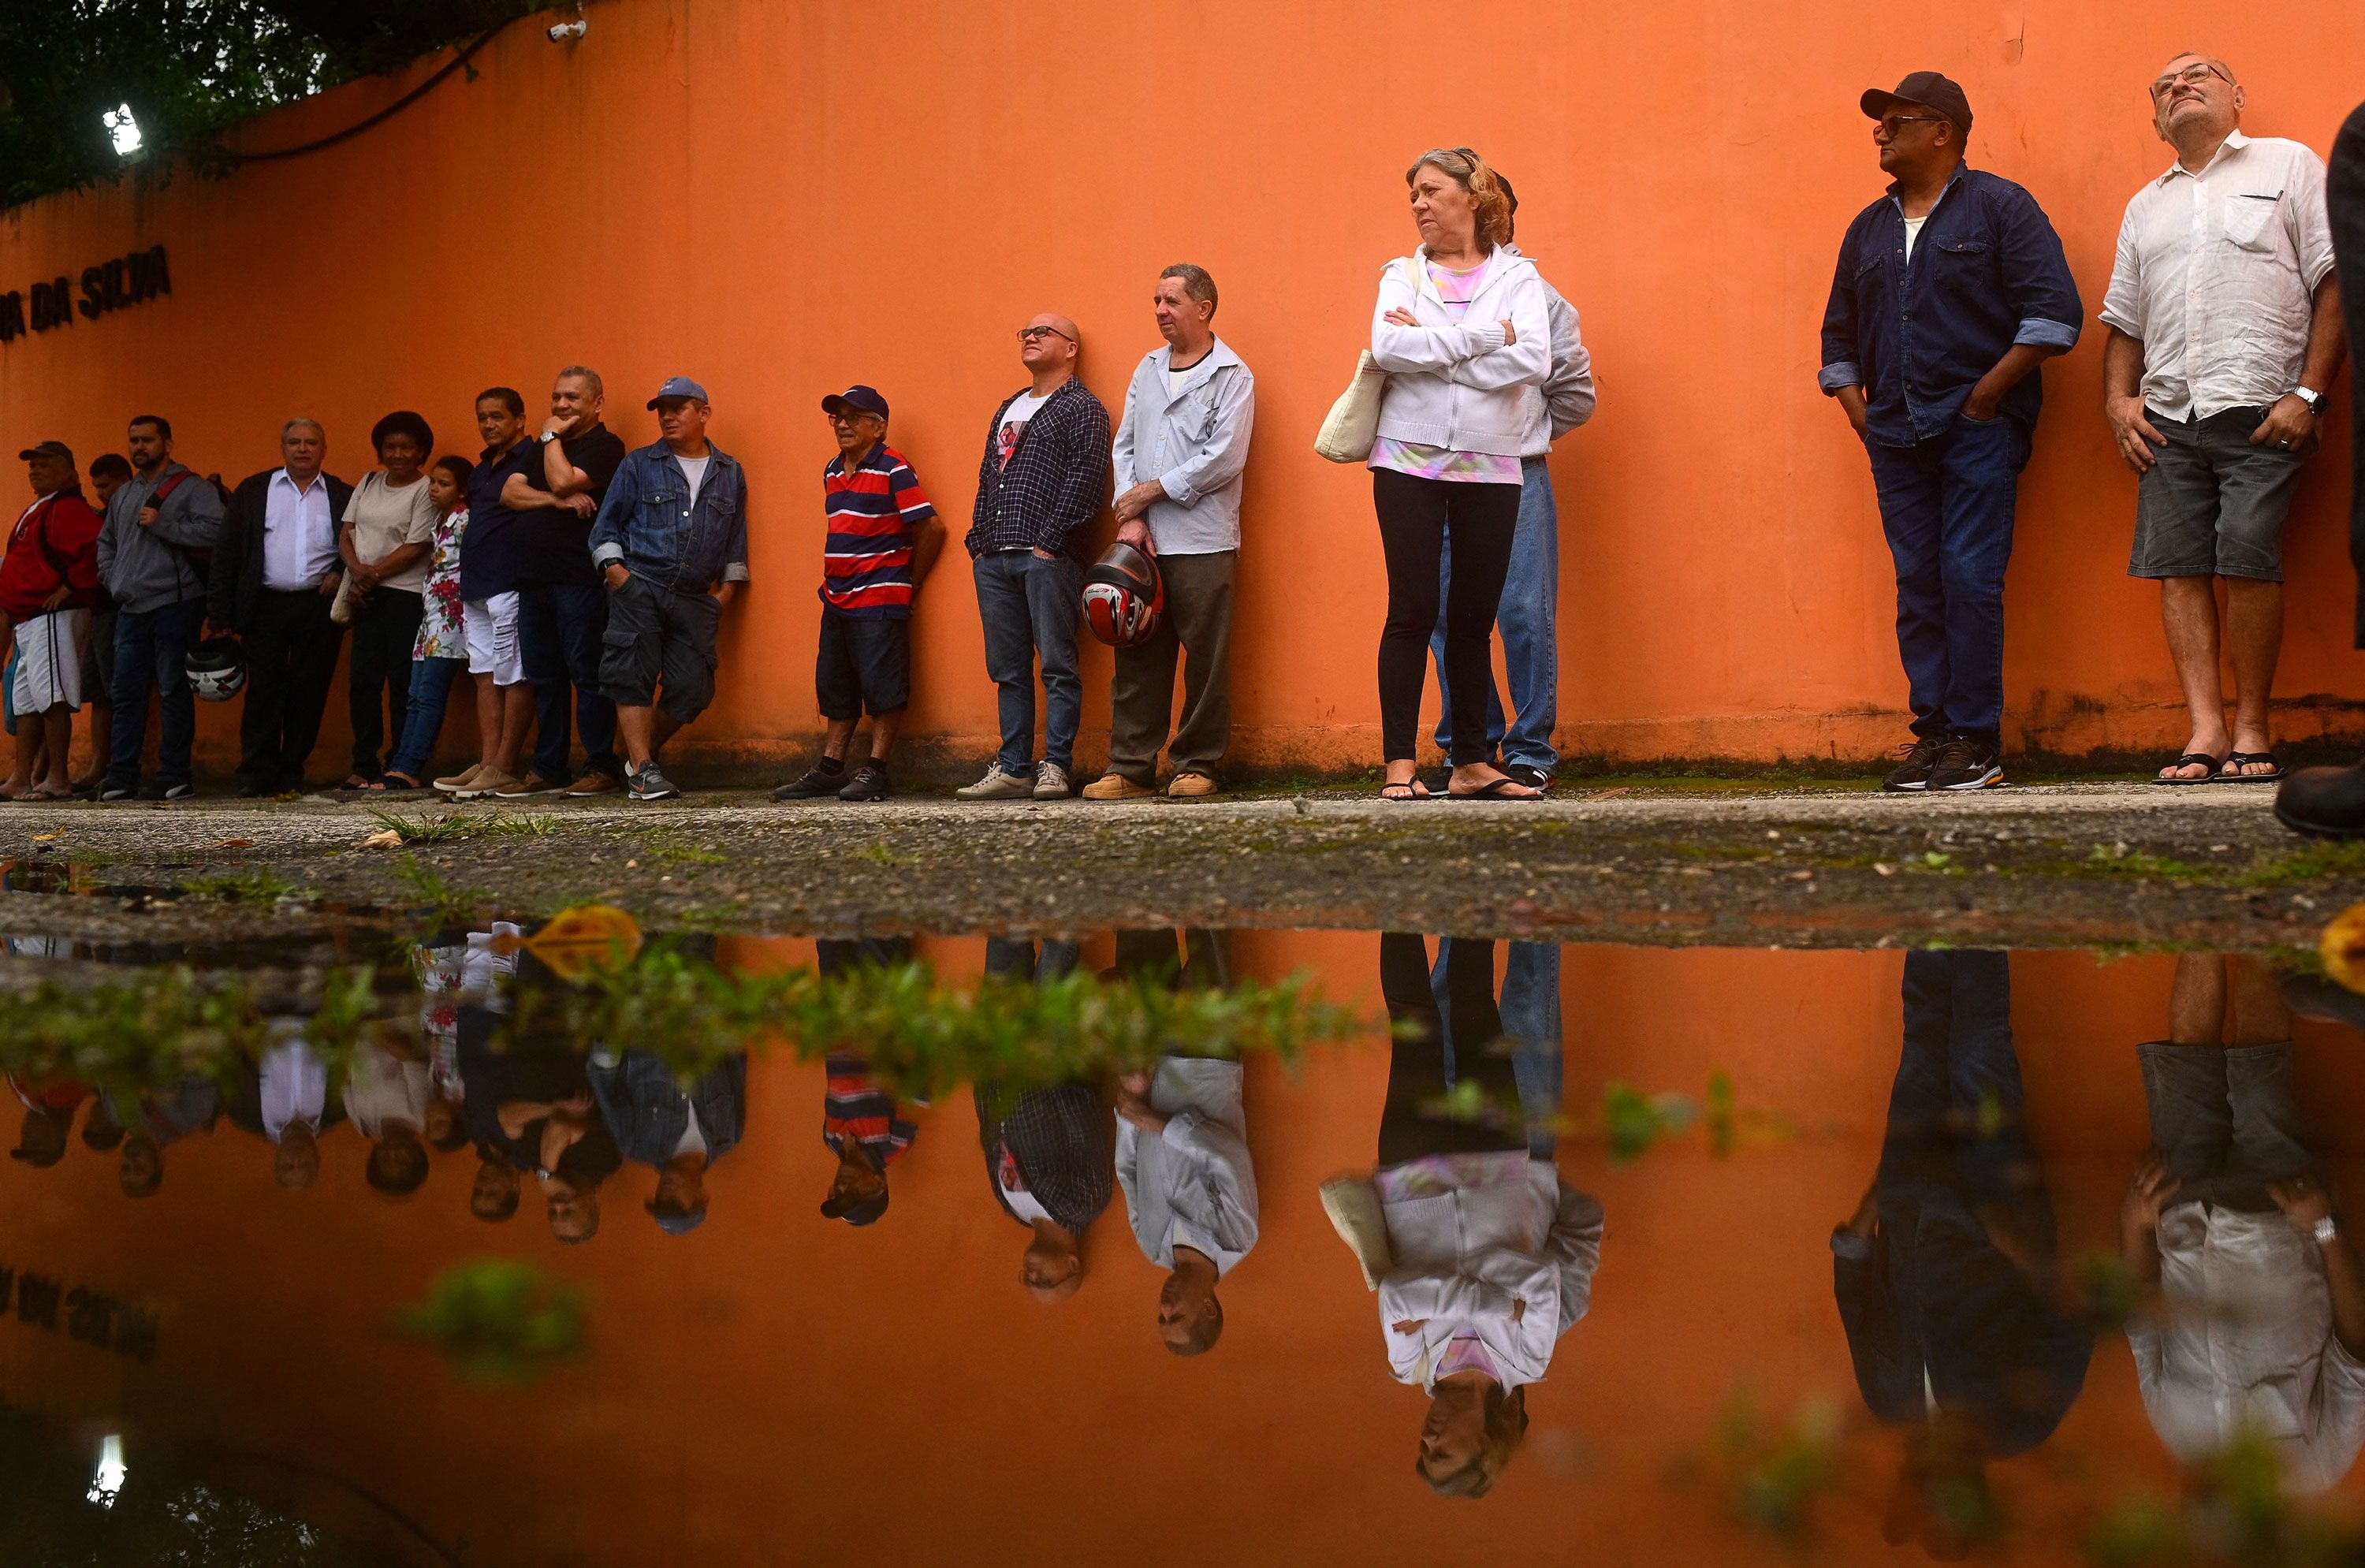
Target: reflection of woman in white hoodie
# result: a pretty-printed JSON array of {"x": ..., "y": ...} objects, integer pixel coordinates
[
  {"x": 1492, "y": 1255},
  {"x": 1462, "y": 328}
]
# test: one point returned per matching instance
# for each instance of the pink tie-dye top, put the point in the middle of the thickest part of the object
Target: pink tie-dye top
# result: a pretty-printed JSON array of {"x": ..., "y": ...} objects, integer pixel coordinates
[{"x": 1426, "y": 461}]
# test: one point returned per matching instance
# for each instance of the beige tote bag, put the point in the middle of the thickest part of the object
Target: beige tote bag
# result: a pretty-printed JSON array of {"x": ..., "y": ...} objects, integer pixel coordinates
[{"x": 1355, "y": 420}]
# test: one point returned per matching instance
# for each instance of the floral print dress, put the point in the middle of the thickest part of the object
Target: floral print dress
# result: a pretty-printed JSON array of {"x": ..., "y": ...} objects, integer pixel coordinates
[{"x": 442, "y": 629}]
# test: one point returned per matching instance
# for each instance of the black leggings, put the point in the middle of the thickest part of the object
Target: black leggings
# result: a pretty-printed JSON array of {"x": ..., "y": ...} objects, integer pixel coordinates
[
  {"x": 1414, "y": 517},
  {"x": 2346, "y": 200},
  {"x": 1410, "y": 1127}
]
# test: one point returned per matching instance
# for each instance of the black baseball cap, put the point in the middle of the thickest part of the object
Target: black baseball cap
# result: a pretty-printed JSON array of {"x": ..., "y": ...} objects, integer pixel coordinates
[
  {"x": 1924, "y": 89},
  {"x": 855, "y": 1211},
  {"x": 861, "y": 399},
  {"x": 57, "y": 449}
]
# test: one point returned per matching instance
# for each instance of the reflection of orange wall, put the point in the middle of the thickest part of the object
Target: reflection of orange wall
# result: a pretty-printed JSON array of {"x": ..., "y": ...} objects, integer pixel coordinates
[
  {"x": 784, "y": 198},
  {"x": 776, "y": 1385}
]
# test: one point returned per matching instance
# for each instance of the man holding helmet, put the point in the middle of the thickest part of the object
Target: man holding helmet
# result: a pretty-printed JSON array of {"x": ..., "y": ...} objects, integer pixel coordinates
[{"x": 1179, "y": 452}]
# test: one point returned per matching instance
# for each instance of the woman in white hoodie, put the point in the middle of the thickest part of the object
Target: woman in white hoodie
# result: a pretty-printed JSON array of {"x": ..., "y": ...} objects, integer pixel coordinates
[{"x": 1460, "y": 327}]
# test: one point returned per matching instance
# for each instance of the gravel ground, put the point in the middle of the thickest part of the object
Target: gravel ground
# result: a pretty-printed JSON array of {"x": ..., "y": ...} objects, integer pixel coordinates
[{"x": 2076, "y": 865}]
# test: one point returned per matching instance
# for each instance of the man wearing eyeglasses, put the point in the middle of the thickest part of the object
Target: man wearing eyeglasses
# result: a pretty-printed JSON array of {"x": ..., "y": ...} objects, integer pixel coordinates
[
  {"x": 2226, "y": 334},
  {"x": 1041, "y": 482},
  {"x": 1950, "y": 291}
]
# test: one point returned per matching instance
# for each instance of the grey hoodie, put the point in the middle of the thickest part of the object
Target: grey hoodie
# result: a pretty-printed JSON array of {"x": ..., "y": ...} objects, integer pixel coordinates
[{"x": 137, "y": 565}]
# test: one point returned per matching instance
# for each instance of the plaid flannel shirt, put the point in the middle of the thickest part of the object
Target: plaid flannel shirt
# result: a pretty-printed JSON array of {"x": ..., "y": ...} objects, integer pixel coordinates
[{"x": 1056, "y": 481}]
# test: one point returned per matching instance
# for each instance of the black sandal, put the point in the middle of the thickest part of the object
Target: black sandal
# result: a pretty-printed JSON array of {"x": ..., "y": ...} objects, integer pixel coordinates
[
  {"x": 1413, "y": 791},
  {"x": 2189, "y": 760},
  {"x": 2235, "y": 759}
]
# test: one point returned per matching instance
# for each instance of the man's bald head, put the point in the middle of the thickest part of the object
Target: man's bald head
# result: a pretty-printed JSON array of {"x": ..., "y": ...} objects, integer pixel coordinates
[
  {"x": 1049, "y": 344},
  {"x": 2196, "y": 100}
]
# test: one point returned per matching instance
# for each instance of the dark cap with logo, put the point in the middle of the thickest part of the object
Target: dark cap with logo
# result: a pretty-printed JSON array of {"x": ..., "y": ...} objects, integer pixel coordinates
[
  {"x": 860, "y": 398},
  {"x": 855, "y": 1211},
  {"x": 56, "y": 449},
  {"x": 1924, "y": 89}
]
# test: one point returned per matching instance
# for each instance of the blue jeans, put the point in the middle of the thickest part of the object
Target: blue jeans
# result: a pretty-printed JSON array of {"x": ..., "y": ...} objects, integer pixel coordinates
[
  {"x": 152, "y": 651},
  {"x": 431, "y": 690},
  {"x": 1531, "y": 1020},
  {"x": 1527, "y": 617},
  {"x": 1029, "y": 606},
  {"x": 1947, "y": 504},
  {"x": 559, "y": 629}
]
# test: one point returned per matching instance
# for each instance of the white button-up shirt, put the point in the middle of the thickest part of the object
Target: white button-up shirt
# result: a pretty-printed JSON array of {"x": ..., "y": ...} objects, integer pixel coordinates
[
  {"x": 1193, "y": 1186},
  {"x": 300, "y": 537},
  {"x": 295, "y": 1082},
  {"x": 2245, "y": 1346},
  {"x": 2216, "y": 274}
]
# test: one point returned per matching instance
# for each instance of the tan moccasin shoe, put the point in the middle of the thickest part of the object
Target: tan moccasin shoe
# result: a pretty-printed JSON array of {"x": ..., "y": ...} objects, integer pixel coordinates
[
  {"x": 459, "y": 781},
  {"x": 1117, "y": 787},
  {"x": 1191, "y": 786}
]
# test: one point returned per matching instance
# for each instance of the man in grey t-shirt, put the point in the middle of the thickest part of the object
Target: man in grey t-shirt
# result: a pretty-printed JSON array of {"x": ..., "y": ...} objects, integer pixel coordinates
[{"x": 1178, "y": 454}]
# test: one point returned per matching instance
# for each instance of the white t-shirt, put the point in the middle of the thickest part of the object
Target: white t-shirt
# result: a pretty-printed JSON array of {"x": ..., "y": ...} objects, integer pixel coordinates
[
  {"x": 1913, "y": 232},
  {"x": 696, "y": 468},
  {"x": 1023, "y": 1203},
  {"x": 693, "y": 1138},
  {"x": 1013, "y": 423}
]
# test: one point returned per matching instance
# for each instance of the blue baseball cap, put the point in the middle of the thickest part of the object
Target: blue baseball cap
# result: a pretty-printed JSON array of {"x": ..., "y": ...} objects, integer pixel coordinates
[
  {"x": 678, "y": 386},
  {"x": 862, "y": 399}
]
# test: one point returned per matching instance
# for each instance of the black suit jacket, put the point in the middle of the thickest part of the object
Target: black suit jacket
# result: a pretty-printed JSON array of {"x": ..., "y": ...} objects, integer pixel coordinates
[
  {"x": 1064, "y": 1141},
  {"x": 235, "y": 586}
]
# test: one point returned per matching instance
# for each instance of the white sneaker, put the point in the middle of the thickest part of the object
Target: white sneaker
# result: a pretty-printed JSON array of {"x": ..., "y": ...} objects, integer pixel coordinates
[
  {"x": 1051, "y": 782},
  {"x": 996, "y": 786}
]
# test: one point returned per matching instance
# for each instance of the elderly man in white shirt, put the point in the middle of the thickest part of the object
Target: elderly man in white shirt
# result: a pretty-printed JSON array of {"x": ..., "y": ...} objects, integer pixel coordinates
[
  {"x": 1178, "y": 454},
  {"x": 275, "y": 575},
  {"x": 2225, "y": 336},
  {"x": 1190, "y": 1187},
  {"x": 2260, "y": 1322}
]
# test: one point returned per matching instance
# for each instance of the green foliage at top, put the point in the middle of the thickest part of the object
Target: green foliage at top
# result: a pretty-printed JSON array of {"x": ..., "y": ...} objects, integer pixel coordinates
[{"x": 189, "y": 69}]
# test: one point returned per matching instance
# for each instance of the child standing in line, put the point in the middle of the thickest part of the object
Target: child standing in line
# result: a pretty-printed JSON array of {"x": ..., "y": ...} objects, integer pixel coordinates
[{"x": 440, "y": 651}]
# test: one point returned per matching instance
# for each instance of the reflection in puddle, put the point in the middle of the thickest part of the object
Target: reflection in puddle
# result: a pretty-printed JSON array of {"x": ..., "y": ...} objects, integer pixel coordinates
[{"x": 1454, "y": 1235}]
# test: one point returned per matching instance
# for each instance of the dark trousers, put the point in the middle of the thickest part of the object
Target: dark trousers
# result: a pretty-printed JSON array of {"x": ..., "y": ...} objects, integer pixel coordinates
[
  {"x": 151, "y": 652},
  {"x": 1413, "y": 1124},
  {"x": 2345, "y": 194},
  {"x": 2224, "y": 1120},
  {"x": 1947, "y": 504},
  {"x": 1196, "y": 627},
  {"x": 559, "y": 629},
  {"x": 384, "y": 627},
  {"x": 1029, "y": 606},
  {"x": 1955, "y": 1109},
  {"x": 291, "y": 661},
  {"x": 1415, "y": 516}
]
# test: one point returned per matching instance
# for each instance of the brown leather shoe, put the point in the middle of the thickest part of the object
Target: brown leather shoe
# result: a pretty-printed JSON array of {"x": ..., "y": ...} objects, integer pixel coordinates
[
  {"x": 532, "y": 784},
  {"x": 1191, "y": 786},
  {"x": 592, "y": 783},
  {"x": 1117, "y": 787}
]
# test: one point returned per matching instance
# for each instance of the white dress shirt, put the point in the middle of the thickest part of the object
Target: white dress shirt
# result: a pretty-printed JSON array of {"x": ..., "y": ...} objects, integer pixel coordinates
[
  {"x": 1193, "y": 1186},
  {"x": 2216, "y": 274},
  {"x": 381, "y": 1087},
  {"x": 295, "y": 1082},
  {"x": 299, "y": 536},
  {"x": 2243, "y": 1345}
]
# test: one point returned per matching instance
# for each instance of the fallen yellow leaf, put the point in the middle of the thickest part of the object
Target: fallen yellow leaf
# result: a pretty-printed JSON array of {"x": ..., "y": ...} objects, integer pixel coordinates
[
  {"x": 45, "y": 837},
  {"x": 577, "y": 940},
  {"x": 2342, "y": 947},
  {"x": 385, "y": 839}
]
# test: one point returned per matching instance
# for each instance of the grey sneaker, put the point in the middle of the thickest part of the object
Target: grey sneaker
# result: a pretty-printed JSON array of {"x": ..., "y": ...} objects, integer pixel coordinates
[
  {"x": 649, "y": 784},
  {"x": 1051, "y": 782},
  {"x": 997, "y": 786}
]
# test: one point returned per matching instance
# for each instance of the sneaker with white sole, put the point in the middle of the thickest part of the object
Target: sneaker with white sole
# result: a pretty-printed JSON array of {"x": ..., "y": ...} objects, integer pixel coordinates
[
  {"x": 1051, "y": 782},
  {"x": 485, "y": 781},
  {"x": 649, "y": 783},
  {"x": 997, "y": 785},
  {"x": 1966, "y": 764},
  {"x": 452, "y": 782}
]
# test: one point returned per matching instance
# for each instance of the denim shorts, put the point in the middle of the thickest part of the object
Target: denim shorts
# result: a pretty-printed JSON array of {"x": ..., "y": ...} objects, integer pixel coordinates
[
  {"x": 863, "y": 665},
  {"x": 2213, "y": 505}
]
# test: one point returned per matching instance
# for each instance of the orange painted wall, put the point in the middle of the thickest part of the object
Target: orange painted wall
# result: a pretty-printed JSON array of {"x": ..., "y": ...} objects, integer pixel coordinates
[
  {"x": 784, "y": 197},
  {"x": 729, "y": 1369}
]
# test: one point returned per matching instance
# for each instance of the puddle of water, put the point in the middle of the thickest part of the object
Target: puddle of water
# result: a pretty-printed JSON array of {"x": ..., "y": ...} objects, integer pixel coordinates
[{"x": 1776, "y": 1253}]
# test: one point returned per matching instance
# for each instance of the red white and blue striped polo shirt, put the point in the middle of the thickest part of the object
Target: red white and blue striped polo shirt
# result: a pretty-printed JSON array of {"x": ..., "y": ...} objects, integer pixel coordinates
[{"x": 867, "y": 562}]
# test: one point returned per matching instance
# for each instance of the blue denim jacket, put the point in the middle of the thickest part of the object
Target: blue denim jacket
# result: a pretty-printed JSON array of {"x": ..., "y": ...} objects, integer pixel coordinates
[
  {"x": 1987, "y": 272},
  {"x": 686, "y": 546}
]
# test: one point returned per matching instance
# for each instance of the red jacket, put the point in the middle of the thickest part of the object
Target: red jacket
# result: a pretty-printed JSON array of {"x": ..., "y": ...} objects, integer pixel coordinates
[{"x": 55, "y": 544}]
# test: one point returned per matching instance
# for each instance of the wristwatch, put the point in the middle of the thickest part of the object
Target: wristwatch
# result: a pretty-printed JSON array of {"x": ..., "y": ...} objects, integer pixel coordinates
[
  {"x": 552, "y": 435},
  {"x": 2325, "y": 1231},
  {"x": 2314, "y": 400}
]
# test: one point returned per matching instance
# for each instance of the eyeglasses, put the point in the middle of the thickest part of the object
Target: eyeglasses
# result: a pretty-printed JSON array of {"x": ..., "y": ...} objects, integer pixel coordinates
[
  {"x": 1890, "y": 125},
  {"x": 2191, "y": 76},
  {"x": 1028, "y": 334}
]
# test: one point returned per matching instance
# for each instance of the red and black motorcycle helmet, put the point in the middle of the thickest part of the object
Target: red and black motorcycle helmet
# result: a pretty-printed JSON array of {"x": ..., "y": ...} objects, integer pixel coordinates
[{"x": 1124, "y": 595}]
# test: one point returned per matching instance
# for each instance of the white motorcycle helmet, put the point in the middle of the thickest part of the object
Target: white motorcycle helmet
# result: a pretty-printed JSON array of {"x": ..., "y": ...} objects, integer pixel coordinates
[{"x": 217, "y": 668}]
